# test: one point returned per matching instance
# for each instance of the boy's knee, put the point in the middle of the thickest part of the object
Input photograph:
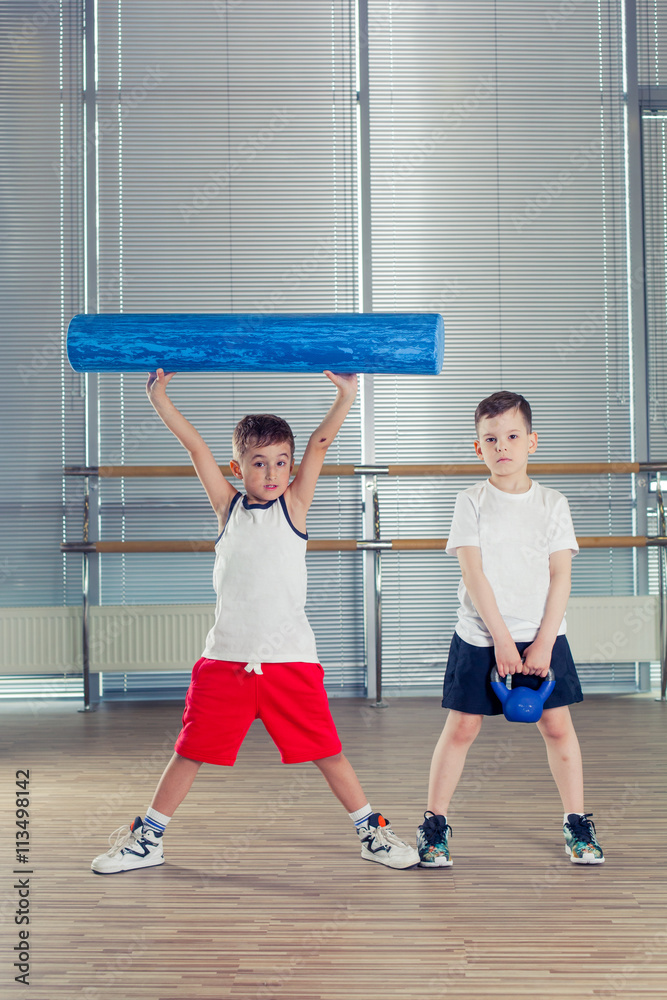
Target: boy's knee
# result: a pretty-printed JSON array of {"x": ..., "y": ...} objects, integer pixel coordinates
[
  {"x": 555, "y": 724},
  {"x": 463, "y": 728},
  {"x": 334, "y": 759}
]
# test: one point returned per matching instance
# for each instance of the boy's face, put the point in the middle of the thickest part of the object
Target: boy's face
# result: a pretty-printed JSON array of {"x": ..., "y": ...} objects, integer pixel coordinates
[
  {"x": 265, "y": 470},
  {"x": 504, "y": 445}
]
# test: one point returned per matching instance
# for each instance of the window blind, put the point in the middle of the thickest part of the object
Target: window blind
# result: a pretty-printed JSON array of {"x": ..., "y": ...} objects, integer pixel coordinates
[
  {"x": 40, "y": 283},
  {"x": 498, "y": 199},
  {"x": 227, "y": 183}
]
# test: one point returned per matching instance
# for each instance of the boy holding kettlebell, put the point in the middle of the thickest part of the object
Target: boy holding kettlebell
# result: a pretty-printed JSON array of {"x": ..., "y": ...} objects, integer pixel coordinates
[{"x": 514, "y": 540}]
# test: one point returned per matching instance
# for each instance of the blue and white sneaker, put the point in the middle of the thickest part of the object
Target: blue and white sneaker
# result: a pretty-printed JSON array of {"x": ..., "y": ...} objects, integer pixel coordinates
[
  {"x": 135, "y": 846},
  {"x": 380, "y": 843},
  {"x": 580, "y": 841}
]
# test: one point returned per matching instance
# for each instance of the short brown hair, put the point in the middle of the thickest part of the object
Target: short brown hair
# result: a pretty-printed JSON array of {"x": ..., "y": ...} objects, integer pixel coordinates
[
  {"x": 500, "y": 402},
  {"x": 259, "y": 429}
]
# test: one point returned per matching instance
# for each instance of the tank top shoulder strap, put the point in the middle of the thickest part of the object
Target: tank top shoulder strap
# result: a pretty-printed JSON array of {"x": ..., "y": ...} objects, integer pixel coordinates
[
  {"x": 235, "y": 500},
  {"x": 283, "y": 504}
]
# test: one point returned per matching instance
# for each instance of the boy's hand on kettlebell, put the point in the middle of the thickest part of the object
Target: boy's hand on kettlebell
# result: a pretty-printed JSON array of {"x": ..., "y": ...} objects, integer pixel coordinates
[
  {"x": 536, "y": 659},
  {"x": 508, "y": 659}
]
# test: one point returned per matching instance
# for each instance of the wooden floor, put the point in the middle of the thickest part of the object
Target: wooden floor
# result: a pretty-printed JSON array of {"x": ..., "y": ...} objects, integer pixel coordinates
[{"x": 264, "y": 895}]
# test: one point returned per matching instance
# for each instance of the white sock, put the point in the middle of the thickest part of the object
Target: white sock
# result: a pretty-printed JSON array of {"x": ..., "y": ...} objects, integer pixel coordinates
[
  {"x": 359, "y": 815},
  {"x": 156, "y": 820}
]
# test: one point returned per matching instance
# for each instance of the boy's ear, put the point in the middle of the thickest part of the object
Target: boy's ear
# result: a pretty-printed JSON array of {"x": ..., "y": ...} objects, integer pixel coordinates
[
  {"x": 236, "y": 469},
  {"x": 478, "y": 450},
  {"x": 532, "y": 447}
]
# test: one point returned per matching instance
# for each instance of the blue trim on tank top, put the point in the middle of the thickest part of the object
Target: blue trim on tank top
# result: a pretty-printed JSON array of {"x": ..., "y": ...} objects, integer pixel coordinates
[
  {"x": 235, "y": 500},
  {"x": 257, "y": 506},
  {"x": 261, "y": 506},
  {"x": 283, "y": 504}
]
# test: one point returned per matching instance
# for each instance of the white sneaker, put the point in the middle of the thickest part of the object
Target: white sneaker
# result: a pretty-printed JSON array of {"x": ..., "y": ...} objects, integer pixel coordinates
[
  {"x": 135, "y": 846},
  {"x": 380, "y": 843}
]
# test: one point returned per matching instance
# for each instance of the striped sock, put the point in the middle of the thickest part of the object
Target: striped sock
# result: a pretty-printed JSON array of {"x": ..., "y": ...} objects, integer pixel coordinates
[
  {"x": 361, "y": 815},
  {"x": 155, "y": 820}
]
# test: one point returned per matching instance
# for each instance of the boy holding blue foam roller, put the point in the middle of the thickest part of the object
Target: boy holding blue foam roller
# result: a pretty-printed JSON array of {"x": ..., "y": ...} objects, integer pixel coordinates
[
  {"x": 514, "y": 540},
  {"x": 260, "y": 659}
]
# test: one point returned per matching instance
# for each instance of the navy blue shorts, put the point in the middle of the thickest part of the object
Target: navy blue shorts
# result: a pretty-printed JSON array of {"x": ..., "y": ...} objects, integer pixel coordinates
[{"x": 467, "y": 687}]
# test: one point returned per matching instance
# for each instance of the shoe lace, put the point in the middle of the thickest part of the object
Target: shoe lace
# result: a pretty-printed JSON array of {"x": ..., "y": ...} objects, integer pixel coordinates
[
  {"x": 384, "y": 836},
  {"x": 436, "y": 827},
  {"x": 123, "y": 836},
  {"x": 583, "y": 828}
]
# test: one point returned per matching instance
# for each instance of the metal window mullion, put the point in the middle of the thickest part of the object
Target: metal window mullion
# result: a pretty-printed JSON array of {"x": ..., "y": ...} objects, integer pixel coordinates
[
  {"x": 636, "y": 300},
  {"x": 91, "y": 568}
]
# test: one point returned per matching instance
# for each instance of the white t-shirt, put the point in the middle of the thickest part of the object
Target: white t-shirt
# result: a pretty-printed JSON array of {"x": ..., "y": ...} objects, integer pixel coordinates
[{"x": 516, "y": 533}]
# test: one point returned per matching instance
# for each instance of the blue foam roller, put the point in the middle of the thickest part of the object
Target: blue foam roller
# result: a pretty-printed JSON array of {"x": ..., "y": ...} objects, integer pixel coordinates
[{"x": 379, "y": 343}]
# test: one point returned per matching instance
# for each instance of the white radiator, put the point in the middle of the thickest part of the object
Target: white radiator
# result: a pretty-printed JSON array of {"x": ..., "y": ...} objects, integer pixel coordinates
[
  {"x": 148, "y": 636},
  {"x": 145, "y": 637},
  {"x": 40, "y": 640},
  {"x": 614, "y": 629},
  {"x": 121, "y": 638}
]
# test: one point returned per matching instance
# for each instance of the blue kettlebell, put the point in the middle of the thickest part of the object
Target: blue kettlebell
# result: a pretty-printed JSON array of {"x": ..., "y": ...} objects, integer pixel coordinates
[{"x": 522, "y": 704}]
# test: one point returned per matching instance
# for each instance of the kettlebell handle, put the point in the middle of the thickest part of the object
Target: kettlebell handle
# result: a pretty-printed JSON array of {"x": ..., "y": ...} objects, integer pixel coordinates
[{"x": 497, "y": 679}]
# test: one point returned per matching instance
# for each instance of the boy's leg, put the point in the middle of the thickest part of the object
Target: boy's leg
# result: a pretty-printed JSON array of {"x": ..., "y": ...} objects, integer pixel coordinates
[
  {"x": 378, "y": 840},
  {"x": 449, "y": 756},
  {"x": 342, "y": 780},
  {"x": 140, "y": 845},
  {"x": 564, "y": 756},
  {"x": 174, "y": 784},
  {"x": 458, "y": 735}
]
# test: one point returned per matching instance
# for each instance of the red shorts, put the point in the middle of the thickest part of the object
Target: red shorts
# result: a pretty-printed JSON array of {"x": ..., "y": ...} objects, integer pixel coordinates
[{"x": 223, "y": 701}]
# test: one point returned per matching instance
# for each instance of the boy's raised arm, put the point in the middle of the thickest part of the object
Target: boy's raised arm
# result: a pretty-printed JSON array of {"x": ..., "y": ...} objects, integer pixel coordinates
[
  {"x": 302, "y": 489},
  {"x": 218, "y": 490}
]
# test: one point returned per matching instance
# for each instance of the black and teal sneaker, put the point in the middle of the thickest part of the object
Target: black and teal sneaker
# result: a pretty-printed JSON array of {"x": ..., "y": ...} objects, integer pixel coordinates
[
  {"x": 580, "y": 841},
  {"x": 432, "y": 842}
]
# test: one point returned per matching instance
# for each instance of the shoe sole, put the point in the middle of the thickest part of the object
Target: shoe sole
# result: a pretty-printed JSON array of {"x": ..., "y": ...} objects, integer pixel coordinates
[
  {"x": 436, "y": 864},
  {"x": 583, "y": 861},
  {"x": 124, "y": 871},
  {"x": 395, "y": 867}
]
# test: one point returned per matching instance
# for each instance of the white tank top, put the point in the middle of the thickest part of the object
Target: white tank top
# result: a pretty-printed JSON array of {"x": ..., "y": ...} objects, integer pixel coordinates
[{"x": 260, "y": 581}]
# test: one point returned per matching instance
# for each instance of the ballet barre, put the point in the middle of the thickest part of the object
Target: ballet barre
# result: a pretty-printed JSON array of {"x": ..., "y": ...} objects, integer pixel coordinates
[{"x": 377, "y": 545}]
